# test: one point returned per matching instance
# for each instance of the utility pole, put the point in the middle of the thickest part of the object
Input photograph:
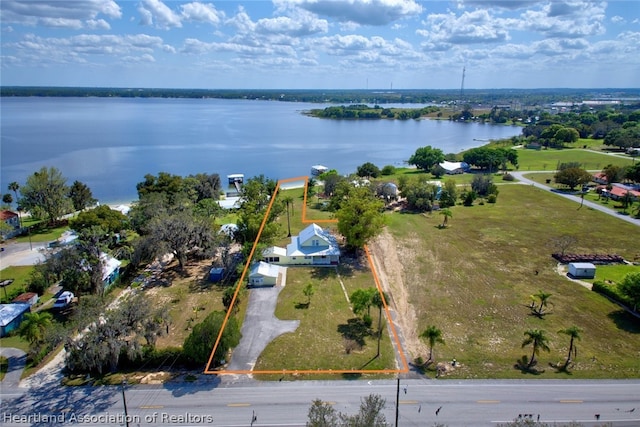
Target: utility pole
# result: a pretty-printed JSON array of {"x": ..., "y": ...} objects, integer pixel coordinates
[
  {"x": 397, "y": 401},
  {"x": 124, "y": 401}
]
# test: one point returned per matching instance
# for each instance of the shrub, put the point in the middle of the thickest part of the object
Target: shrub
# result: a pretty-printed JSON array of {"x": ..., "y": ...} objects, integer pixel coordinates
[
  {"x": 492, "y": 198},
  {"x": 388, "y": 170},
  {"x": 609, "y": 291},
  {"x": 469, "y": 197},
  {"x": 507, "y": 177}
]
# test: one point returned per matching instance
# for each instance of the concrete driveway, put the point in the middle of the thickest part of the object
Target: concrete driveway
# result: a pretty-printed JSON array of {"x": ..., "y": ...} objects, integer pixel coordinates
[
  {"x": 17, "y": 360},
  {"x": 260, "y": 327}
]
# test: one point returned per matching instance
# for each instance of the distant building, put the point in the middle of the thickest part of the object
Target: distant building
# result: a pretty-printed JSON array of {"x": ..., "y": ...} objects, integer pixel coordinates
[
  {"x": 12, "y": 220},
  {"x": 582, "y": 270},
  {"x": 11, "y": 316},
  {"x": 30, "y": 298},
  {"x": 317, "y": 170},
  {"x": 452, "y": 168}
]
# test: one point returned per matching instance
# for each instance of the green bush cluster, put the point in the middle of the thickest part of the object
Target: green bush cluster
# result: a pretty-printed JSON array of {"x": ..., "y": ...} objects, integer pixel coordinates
[{"x": 609, "y": 291}]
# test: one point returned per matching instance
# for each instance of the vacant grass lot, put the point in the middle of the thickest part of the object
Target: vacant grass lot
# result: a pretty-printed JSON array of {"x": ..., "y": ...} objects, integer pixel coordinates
[
  {"x": 547, "y": 160},
  {"x": 318, "y": 343},
  {"x": 473, "y": 280}
]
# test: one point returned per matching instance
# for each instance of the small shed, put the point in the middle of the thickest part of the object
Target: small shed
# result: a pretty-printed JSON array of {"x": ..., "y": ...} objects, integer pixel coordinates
[
  {"x": 11, "y": 316},
  {"x": 582, "y": 270},
  {"x": 216, "y": 274},
  {"x": 30, "y": 298},
  {"x": 264, "y": 274}
]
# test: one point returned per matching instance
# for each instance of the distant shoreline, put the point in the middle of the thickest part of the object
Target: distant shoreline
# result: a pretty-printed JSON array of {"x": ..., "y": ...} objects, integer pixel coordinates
[{"x": 336, "y": 96}]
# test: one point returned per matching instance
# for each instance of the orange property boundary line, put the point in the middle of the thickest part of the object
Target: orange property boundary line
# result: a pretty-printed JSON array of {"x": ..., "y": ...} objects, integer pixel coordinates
[{"x": 403, "y": 359}]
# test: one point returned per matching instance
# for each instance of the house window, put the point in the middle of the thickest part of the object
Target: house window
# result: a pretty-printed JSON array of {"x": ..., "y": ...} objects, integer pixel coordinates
[
  {"x": 307, "y": 257},
  {"x": 315, "y": 242}
]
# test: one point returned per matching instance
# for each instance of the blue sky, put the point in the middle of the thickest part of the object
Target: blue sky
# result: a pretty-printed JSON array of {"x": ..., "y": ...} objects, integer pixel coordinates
[{"x": 321, "y": 44}]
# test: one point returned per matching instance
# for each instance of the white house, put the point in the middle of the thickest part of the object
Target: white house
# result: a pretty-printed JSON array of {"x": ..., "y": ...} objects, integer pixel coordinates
[
  {"x": 582, "y": 270},
  {"x": 313, "y": 246},
  {"x": 451, "y": 168},
  {"x": 317, "y": 170},
  {"x": 264, "y": 274}
]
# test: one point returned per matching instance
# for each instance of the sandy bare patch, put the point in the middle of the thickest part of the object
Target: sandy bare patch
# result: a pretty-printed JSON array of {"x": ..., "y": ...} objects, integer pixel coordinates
[{"x": 385, "y": 254}]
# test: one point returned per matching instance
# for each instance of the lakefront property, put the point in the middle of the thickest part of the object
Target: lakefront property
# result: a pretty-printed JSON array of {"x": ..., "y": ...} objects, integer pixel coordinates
[{"x": 313, "y": 246}]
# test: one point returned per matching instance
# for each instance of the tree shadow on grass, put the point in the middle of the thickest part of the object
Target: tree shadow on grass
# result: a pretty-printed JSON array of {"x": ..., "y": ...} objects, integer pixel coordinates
[
  {"x": 351, "y": 376},
  {"x": 302, "y": 305},
  {"x": 562, "y": 368},
  {"x": 625, "y": 321},
  {"x": 525, "y": 367},
  {"x": 356, "y": 330}
]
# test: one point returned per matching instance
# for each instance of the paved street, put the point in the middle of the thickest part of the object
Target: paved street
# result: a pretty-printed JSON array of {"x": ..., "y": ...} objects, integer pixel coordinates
[
  {"x": 591, "y": 205},
  {"x": 227, "y": 402}
]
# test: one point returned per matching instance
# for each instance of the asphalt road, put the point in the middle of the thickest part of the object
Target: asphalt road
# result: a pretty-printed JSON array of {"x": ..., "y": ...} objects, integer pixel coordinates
[
  {"x": 588, "y": 204},
  {"x": 234, "y": 403}
]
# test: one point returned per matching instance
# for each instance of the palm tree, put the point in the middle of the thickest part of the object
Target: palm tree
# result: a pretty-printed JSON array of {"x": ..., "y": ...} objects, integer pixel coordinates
[
  {"x": 574, "y": 332},
  {"x": 543, "y": 297},
  {"x": 446, "y": 213},
  {"x": 288, "y": 200},
  {"x": 14, "y": 186},
  {"x": 378, "y": 299},
  {"x": 33, "y": 326},
  {"x": 539, "y": 340},
  {"x": 433, "y": 335}
]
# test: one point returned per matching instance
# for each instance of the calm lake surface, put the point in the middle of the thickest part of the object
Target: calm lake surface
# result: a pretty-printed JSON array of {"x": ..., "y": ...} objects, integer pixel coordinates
[{"x": 111, "y": 143}]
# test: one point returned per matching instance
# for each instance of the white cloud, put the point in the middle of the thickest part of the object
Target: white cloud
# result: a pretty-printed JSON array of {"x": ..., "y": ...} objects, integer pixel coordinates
[
  {"x": 98, "y": 24},
  {"x": 499, "y": 4},
  {"x": 618, "y": 20},
  {"x": 155, "y": 12},
  {"x": 58, "y": 14},
  {"x": 571, "y": 19},
  {"x": 77, "y": 49},
  {"x": 201, "y": 12},
  {"x": 473, "y": 27},
  {"x": 364, "y": 12},
  {"x": 144, "y": 58}
]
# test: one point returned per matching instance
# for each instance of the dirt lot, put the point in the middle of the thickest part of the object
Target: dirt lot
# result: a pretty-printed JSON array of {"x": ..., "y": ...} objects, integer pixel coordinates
[
  {"x": 189, "y": 295},
  {"x": 386, "y": 256}
]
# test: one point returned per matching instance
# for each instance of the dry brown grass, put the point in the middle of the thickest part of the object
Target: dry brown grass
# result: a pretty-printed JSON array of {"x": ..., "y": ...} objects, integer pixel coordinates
[{"x": 473, "y": 280}]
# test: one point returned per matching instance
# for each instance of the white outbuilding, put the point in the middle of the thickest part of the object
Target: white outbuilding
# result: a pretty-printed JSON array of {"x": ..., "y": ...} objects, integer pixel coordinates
[{"x": 582, "y": 270}]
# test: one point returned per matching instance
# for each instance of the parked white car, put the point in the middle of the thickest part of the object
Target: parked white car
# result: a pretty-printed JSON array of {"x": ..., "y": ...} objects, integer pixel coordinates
[{"x": 64, "y": 299}]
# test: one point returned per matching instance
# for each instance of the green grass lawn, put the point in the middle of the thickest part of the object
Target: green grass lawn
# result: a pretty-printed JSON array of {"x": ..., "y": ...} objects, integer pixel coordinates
[
  {"x": 42, "y": 233},
  {"x": 319, "y": 341},
  {"x": 543, "y": 160},
  {"x": 20, "y": 276},
  {"x": 4, "y": 367},
  {"x": 473, "y": 280},
  {"x": 614, "y": 273}
]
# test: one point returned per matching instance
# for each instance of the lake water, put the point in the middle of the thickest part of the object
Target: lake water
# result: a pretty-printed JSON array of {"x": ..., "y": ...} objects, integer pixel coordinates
[{"x": 111, "y": 143}]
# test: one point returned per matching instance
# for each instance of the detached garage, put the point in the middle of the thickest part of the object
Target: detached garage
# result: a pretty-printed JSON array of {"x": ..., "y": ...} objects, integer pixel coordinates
[
  {"x": 582, "y": 270},
  {"x": 264, "y": 274}
]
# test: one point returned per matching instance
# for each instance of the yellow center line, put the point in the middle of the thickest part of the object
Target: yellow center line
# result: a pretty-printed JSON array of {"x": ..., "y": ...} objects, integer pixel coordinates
[
  {"x": 238, "y": 404},
  {"x": 152, "y": 407},
  {"x": 487, "y": 401},
  {"x": 408, "y": 402}
]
